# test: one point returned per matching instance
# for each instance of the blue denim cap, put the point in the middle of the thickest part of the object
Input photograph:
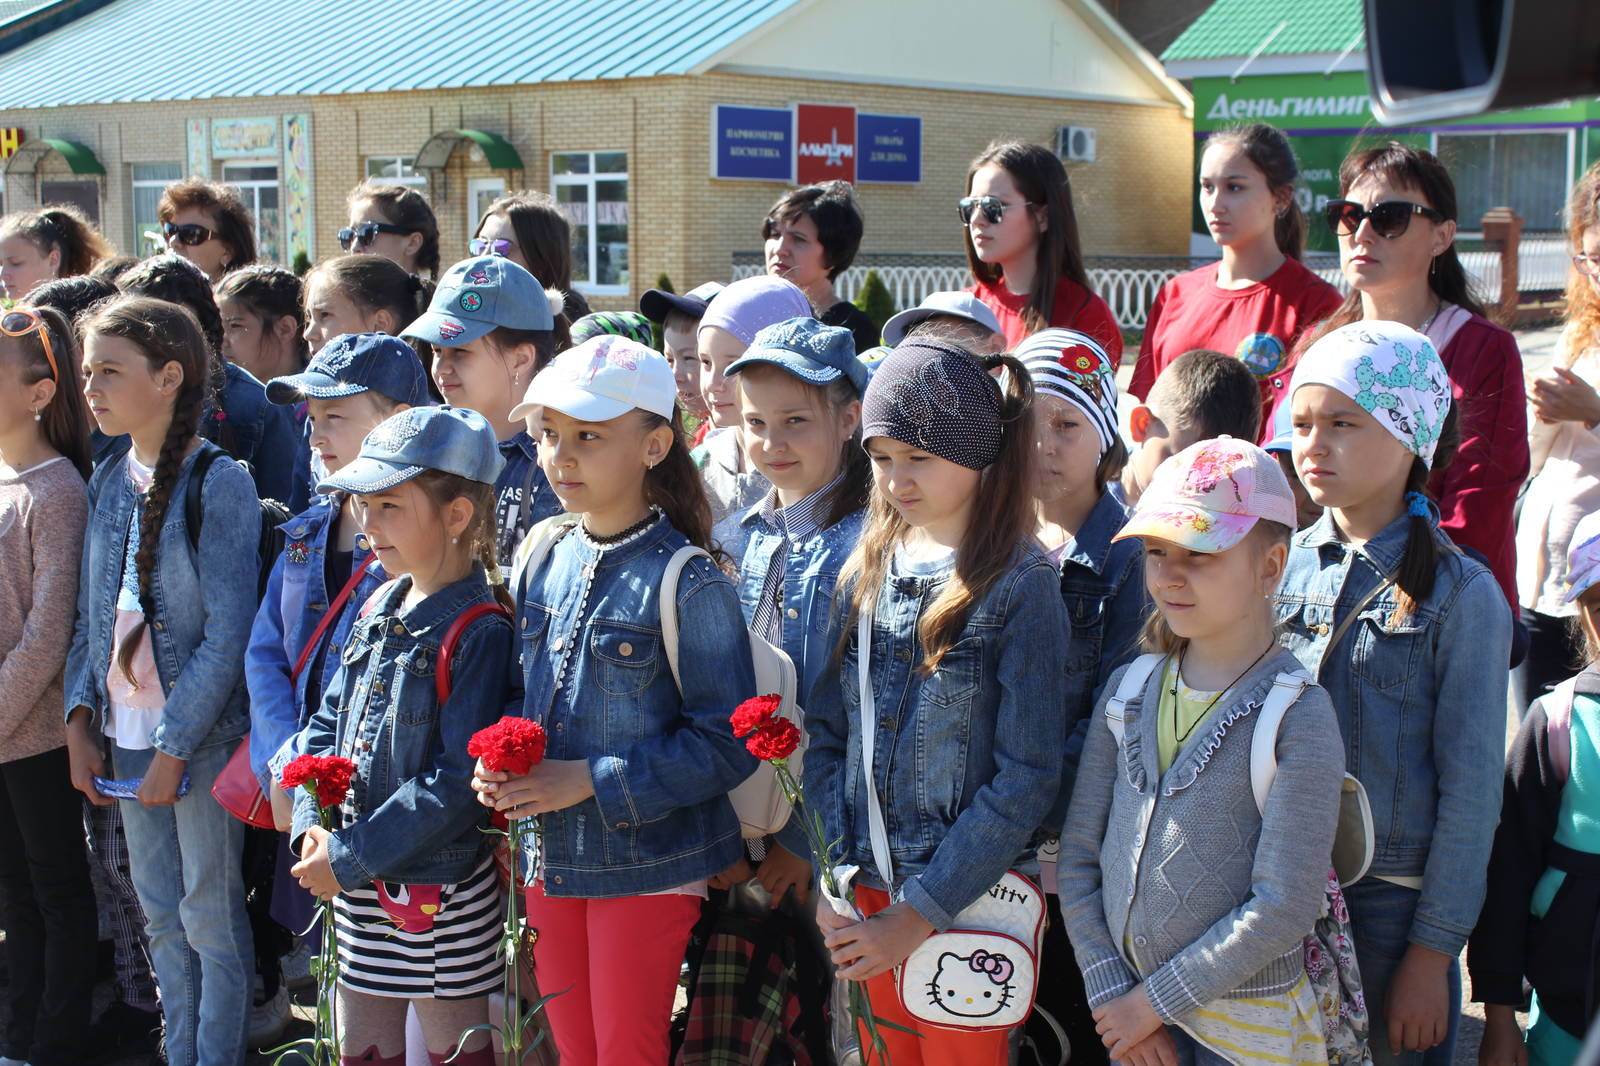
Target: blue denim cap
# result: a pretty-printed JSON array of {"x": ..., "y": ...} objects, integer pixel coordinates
[
  {"x": 452, "y": 439},
  {"x": 478, "y": 295},
  {"x": 353, "y": 363},
  {"x": 812, "y": 352}
]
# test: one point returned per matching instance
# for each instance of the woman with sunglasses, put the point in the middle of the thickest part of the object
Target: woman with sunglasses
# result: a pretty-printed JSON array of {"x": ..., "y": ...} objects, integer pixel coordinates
[
  {"x": 394, "y": 222},
  {"x": 1258, "y": 300},
  {"x": 48, "y": 909},
  {"x": 207, "y": 224},
  {"x": 529, "y": 229},
  {"x": 1396, "y": 225},
  {"x": 40, "y": 246},
  {"x": 1022, "y": 247},
  {"x": 1566, "y": 458}
]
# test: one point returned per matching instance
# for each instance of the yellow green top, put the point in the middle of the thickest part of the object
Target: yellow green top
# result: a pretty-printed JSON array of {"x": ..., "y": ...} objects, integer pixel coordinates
[{"x": 1178, "y": 718}]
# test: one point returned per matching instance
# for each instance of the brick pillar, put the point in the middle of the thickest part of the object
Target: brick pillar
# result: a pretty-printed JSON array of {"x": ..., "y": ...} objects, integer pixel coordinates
[{"x": 1502, "y": 232}]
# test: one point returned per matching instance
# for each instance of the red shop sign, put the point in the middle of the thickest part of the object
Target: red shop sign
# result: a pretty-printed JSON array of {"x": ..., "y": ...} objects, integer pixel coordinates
[{"x": 826, "y": 136}]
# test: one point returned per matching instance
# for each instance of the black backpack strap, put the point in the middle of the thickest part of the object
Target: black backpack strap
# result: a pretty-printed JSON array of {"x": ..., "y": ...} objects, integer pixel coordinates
[{"x": 194, "y": 511}]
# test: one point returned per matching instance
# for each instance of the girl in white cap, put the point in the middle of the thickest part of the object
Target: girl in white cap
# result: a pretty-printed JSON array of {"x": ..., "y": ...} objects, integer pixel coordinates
[
  {"x": 1411, "y": 639},
  {"x": 1187, "y": 895}
]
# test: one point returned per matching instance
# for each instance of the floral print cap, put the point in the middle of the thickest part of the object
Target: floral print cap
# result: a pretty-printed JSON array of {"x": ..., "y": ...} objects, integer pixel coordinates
[
  {"x": 1210, "y": 495},
  {"x": 1583, "y": 557}
]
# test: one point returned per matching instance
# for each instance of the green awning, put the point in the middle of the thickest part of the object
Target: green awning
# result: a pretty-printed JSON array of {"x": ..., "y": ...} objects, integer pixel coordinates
[
  {"x": 80, "y": 158},
  {"x": 435, "y": 153}
]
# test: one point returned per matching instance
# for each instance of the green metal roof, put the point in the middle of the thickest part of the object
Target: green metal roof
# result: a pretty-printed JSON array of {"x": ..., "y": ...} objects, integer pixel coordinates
[
  {"x": 1239, "y": 27},
  {"x": 141, "y": 50},
  {"x": 496, "y": 149},
  {"x": 80, "y": 158}
]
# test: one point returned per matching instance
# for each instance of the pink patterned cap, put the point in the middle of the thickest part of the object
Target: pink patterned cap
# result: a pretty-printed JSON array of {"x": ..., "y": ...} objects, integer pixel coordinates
[
  {"x": 1210, "y": 495},
  {"x": 1583, "y": 557}
]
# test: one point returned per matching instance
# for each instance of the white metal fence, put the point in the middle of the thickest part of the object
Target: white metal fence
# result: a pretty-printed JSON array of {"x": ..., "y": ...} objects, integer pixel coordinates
[{"x": 1130, "y": 289}]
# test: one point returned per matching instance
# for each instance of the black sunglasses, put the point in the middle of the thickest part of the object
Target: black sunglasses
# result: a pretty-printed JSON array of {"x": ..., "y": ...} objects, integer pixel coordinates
[
  {"x": 1389, "y": 219},
  {"x": 992, "y": 208},
  {"x": 366, "y": 232},
  {"x": 190, "y": 234}
]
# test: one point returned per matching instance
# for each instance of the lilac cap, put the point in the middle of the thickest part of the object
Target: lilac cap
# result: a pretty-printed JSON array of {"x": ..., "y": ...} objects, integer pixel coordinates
[{"x": 750, "y": 305}]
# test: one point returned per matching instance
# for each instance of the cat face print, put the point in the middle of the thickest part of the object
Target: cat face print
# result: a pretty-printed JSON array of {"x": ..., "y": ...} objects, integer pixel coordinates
[{"x": 972, "y": 986}]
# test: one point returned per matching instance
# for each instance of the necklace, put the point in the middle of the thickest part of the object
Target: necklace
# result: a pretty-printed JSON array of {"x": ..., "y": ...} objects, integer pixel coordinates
[
  {"x": 1177, "y": 677},
  {"x": 1437, "y": 307},
  {"x": 615, "y": 539}
]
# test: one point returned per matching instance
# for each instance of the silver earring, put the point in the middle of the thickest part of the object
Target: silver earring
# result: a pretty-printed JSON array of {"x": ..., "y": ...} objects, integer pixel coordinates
[
  {"x": 455, "y": 540},
  {"x": 38, "y": 416}
]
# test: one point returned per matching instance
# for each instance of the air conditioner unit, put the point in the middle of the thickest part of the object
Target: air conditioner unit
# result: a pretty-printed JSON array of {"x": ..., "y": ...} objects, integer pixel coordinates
[{"x": 1075, "y": 144}]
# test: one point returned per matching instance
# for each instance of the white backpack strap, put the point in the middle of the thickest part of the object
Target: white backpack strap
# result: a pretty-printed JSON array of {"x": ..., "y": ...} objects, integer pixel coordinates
[
  {"x": 877, "y": 829},
  {"x": 1132, "y": 685},
  {"x": 669, "y": 604},
  {"x": 535, "y": 547},
  {"x": 1286, "y": 688}
]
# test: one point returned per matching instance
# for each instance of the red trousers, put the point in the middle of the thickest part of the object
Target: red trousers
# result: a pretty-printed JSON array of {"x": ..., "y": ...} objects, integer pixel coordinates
[
  {"x": 615, "y": 964},
  {"x": 933, "y": 1046}
]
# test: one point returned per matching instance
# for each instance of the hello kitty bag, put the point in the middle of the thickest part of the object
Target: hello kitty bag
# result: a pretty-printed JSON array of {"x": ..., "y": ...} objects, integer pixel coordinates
[{"x": 982, "y": 972}]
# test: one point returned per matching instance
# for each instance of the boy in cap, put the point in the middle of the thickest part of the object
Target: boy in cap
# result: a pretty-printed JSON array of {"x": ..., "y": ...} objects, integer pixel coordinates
[{"x": 679, "y": 319}]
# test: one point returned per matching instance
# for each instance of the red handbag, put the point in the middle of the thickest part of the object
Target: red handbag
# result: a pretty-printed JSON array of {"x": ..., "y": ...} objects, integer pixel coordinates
[{"x": 236, "y": 787}]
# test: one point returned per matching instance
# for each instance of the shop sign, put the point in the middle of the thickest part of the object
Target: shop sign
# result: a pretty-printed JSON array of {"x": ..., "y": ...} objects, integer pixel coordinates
[
  {"x": 889, "y": 149},
  {"x": 10, "y": 141},
  {"x": 235, "y": 138},
  {"x": 752, "y": 143},
  {"x": 827, "y": 138}
]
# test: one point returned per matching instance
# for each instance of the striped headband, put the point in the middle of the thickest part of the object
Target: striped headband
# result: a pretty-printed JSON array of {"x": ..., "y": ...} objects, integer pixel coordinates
[{"x": 1073, "y": 366}]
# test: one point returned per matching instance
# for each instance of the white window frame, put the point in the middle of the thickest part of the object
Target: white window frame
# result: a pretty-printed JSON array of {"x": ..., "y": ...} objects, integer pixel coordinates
[
  {"x": 248, "y": 192},
  {"x": 482, "y": 191},
  {"x": 1469, "y": 131},
  {"x": 137, "y": 184},
  {"x": 415, "y": 180},
  {"x": 589, "y": 181}
]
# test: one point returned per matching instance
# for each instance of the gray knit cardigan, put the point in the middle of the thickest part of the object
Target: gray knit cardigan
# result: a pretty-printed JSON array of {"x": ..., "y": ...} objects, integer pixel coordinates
[{"x": 1176, "y": 880}]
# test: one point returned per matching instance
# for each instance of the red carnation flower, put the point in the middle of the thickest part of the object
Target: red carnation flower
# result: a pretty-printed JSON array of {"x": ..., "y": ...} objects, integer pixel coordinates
[
  {"x": 754, "y": 713},
  {"x": 512, "y": 745},
  {"x": 328, "y": 776},
  {"x": 776, "y": 739}
]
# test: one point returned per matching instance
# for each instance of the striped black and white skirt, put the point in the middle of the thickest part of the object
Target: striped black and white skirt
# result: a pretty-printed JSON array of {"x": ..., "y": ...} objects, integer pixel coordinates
[{"x": 421, "y": 941}]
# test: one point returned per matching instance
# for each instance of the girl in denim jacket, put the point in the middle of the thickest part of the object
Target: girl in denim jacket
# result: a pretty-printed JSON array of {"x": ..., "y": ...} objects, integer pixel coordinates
[
  {"x": 1186, "y": 902},
  {"x": 631, "y": 802},
  {"x": 1410, "y": 638},
  {"x": 415, "y": 891},
  {"x": 157, "y": 663},
  {"x": 799, "y": 386},
  {"x": 1077, "y": 455},
  {"x": 966, "y": 667}
]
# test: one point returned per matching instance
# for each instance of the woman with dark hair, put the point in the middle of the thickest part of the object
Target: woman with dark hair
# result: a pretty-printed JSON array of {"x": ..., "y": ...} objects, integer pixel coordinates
[
  {"x": 395, "y": 222},
  {"x": 207, "y": 223},
  {"x": 38, "y": 246},
  {"x": 1257, "y": 301},
  {"x": 1022, "y": 247},
  {"x": 1396, "y": 224},
  {"x": 812, "y": 235},
  {"x": 529, "y": 229}
]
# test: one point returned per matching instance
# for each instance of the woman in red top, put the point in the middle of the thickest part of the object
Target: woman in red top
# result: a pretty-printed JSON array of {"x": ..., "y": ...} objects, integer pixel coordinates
[
  {"x": 1396, "y": 224},
  {"x": 1022, "y": 247},
  {"x": 1259, "y": 299}
]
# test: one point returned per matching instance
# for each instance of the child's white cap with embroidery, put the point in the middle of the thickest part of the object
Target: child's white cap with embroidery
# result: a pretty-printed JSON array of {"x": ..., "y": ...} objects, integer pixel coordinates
[
  {"x": 1209, "y": 496},
  {"x": 601, "y": 379}
]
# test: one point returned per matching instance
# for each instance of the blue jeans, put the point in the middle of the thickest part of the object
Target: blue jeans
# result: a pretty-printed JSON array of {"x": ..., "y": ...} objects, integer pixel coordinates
[
  {"x": 1380, "y": 918},
  {"x": 186, "y": 869},
  {"x": 1193, "y": 1053}
]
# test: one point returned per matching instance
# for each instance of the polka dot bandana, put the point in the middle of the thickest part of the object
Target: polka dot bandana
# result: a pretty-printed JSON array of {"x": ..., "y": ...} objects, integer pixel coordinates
[
  {"x": 1071, "y": 365},
  {"x": 1392, "y": 372},
  {"x": 936, "y": 398}
]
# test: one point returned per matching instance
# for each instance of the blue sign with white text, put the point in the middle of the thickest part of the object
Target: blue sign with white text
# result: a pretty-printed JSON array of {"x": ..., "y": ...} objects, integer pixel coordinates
[
  {"x": 752, "y": 143},
  {"x": 889, "y": 148}
]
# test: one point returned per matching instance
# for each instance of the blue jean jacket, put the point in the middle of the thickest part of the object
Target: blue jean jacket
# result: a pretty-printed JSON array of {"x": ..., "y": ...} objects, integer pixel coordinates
[
  {"x": 297, "y": 597},
  {"x": 523, "y": 496},
  {"x": 594, "y": 672},
  {"x": 418, "y": 821},
  {"x": 1421, "y": 706},
  {"x": 968, "y": 760},
  {"x": 1102, "y": 584},
  {"x": 204, "y": 602}
]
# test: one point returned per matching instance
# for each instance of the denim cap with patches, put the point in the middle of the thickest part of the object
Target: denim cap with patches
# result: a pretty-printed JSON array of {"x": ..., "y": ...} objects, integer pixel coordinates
[
  {"x": 479, "y": 295},
  {"x": 1583, "y": 557},
  {"x": 936, "y": 398},
  {"x": 812, "y": 352},
  {"x": 353, "y": 363},
  {"x": 450, "y": 439},
  {"x": 1391, "y": 371},
  {"x": 602, "y": 379},
  {"x": 1209, "y": 496}
]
